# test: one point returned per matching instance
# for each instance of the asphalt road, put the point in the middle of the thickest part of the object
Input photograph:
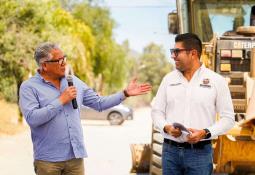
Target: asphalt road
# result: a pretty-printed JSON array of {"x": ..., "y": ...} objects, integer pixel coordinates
[{"x": 108, "y": 147}]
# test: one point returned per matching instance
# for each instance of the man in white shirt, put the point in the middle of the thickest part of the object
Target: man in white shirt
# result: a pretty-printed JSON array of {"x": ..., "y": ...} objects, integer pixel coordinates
[{"x": 191, "y": 96}]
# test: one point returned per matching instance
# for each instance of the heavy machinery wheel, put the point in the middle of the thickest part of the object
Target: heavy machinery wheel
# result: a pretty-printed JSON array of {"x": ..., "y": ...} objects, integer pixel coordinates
[
  {"x": 115, "y": 118},
  {"x": 140, "y": 158}
]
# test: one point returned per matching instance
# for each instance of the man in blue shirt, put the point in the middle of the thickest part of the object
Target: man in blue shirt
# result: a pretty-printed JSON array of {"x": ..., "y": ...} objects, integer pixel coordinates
[{"x": 45, "y": 101}]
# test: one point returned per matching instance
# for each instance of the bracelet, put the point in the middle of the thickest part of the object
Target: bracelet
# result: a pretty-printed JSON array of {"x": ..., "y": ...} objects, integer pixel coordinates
[{"x": 125, "y": 93}]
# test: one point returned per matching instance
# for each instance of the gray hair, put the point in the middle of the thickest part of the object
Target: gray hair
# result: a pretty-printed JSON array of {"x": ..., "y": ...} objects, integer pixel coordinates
[{"x": 42, "y": 52}]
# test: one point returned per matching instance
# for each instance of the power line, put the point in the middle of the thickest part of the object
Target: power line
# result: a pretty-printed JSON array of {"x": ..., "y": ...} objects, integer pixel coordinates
[{"x": 141, "y": 6}]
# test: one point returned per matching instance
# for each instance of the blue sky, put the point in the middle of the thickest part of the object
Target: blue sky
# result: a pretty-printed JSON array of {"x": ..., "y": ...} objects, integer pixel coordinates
[{"x": 142, "y": 22}]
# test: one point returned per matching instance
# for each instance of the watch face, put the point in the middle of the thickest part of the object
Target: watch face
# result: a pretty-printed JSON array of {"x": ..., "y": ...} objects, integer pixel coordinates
[{"x": 208, "y": 134}]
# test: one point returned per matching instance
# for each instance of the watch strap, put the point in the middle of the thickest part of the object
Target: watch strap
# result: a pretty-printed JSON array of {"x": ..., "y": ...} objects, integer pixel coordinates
[{"x": 207, "y": 133}]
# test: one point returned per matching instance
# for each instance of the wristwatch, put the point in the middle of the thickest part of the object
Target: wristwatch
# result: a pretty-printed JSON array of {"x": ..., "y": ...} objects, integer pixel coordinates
[
  {"x": 207, "y": 134},
  {"x": 125, "y": 93}
]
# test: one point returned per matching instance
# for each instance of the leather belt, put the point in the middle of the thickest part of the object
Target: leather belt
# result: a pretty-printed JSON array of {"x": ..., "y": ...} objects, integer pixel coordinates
[{"x": 198, "y": 145}]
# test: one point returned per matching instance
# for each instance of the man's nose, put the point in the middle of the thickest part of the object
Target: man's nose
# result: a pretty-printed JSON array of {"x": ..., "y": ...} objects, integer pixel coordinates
[
  {"x": 64, "y": 63},
  {"x": 173, "y": 56}
]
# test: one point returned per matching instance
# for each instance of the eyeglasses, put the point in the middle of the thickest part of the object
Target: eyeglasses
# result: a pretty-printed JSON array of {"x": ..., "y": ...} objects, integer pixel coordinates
[
  {"x": 176, "y": 51},
  {"x": 60, "y": 61}
]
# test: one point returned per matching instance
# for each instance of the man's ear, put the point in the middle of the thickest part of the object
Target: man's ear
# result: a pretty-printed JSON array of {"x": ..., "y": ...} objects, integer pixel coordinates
[
  {"x": 43, "y": 67},
  {"x": 195, "y": 53}
]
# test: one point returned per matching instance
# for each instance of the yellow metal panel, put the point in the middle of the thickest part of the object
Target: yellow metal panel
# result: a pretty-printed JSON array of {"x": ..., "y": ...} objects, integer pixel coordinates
[
  {"x": 225, "y": 67},
  {"x": 240, "y": 131},
  {"x": 229, "y": 154}
]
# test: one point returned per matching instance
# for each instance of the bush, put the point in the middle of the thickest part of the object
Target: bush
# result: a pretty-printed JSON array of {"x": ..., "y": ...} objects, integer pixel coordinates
[{"x": 8, "y": 89}]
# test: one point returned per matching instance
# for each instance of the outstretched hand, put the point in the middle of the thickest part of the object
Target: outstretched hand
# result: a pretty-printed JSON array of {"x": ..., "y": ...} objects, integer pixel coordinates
[{"x": 134, "y": 88}]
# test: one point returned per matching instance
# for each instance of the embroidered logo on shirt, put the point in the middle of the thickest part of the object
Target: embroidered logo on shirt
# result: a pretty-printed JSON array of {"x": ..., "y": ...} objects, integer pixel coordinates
[
  {"x": 205, "y": 83},
  {"x": 175, "y": 84}
]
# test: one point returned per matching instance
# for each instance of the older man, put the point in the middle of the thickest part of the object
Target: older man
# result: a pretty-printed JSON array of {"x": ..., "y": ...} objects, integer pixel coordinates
[{"x": 45, "y": 101}]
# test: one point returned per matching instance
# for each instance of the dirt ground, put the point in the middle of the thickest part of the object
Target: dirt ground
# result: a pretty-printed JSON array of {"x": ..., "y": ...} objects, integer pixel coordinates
[
  {"x": 108, "y": 146},
  {"x": 9, "y": 119}
]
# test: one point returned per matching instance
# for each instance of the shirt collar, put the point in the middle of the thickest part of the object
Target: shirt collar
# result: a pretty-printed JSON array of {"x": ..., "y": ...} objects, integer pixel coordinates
[
  {"x": 38, "y": 75},
  {"x": 197, "y": 73}
]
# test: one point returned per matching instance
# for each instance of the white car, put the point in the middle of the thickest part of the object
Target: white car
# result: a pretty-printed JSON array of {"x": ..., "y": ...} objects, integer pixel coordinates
[{"x": 115, "y": 115}]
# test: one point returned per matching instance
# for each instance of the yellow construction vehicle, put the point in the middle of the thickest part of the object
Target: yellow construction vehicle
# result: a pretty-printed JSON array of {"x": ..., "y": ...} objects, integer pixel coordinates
[{"x": 227, "y": 29}]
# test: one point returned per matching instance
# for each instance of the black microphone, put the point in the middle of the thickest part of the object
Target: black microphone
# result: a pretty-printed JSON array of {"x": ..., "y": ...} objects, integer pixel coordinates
[{"x": 70, "y": 83}]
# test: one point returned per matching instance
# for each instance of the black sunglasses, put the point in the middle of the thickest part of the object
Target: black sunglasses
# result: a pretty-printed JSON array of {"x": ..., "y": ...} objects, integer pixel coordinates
[
  {"x": 176, "y": 51},
  {"x": 60, "y": 61}
]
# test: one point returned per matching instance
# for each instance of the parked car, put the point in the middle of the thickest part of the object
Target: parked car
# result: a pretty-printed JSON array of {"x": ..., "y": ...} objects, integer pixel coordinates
[{"x": 115, "y": 115}]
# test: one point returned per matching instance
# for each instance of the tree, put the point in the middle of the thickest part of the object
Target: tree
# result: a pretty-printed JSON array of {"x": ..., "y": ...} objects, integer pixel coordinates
[
  {"x": 109, "y": 64},
  {"x": 25, "y": 24},
  {"x": 153, "y": 66},
  {"x": 77, "y": 40},
  {"x": 16, "y": 45}
]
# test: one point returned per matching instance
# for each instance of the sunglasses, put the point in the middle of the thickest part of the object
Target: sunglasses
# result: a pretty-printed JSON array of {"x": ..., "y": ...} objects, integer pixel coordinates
[
  {"x": 176, "y": 51},
  {"x": 60, "y": 61}
]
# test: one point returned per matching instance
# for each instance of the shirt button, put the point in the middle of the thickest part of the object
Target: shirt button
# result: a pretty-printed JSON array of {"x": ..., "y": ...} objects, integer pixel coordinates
[{"x": 69, "y": 127}]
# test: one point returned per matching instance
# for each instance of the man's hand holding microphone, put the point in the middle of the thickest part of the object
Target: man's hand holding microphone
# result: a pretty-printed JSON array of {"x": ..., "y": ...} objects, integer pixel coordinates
[{"x": 69, "y": 94}]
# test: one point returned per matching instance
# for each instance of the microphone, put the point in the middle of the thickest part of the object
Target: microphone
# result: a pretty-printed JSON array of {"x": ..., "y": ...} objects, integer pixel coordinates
[{"x": 70, "y": 83}]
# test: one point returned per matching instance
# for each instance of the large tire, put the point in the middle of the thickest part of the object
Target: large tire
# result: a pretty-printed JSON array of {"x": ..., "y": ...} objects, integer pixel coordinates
[
  {"x": 140, "y": 158},
  {"x": 115, "y": 118}
]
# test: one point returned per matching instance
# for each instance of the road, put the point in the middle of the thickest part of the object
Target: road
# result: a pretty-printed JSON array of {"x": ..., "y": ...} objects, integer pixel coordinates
[{"x": 108, "y": 147}]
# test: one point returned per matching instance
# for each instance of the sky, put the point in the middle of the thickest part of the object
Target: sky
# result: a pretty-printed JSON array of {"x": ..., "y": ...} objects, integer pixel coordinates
[{"x": 142, "y": 22}]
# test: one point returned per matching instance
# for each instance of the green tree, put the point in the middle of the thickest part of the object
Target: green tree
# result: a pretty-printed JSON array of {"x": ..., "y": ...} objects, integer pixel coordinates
[
  {"x": 82, "y": 30},
  {"x": 25, "y": 24},
  {"x": 76, "y": 40},
  {"x": 16, "y": 45},
  {"x": 132, "y": 60},
  {"x": 109, "y": 64},
  {"x": 153, "y": 66}
]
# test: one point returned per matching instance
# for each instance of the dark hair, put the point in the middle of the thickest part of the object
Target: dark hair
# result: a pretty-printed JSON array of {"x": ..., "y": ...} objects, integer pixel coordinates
[{"x": 190, "y": 41}]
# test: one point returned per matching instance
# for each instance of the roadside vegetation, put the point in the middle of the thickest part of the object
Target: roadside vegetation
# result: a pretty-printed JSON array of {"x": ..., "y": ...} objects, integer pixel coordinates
[{"x": 84, "y": 31}]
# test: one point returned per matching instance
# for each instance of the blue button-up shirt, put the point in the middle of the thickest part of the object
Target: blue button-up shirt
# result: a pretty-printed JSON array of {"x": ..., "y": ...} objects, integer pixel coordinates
[{"x": 55, "y": 128}]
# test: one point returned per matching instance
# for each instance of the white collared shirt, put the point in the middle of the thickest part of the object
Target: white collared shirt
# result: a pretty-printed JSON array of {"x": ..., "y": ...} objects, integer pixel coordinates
[{"x": 193, "y": 103}]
